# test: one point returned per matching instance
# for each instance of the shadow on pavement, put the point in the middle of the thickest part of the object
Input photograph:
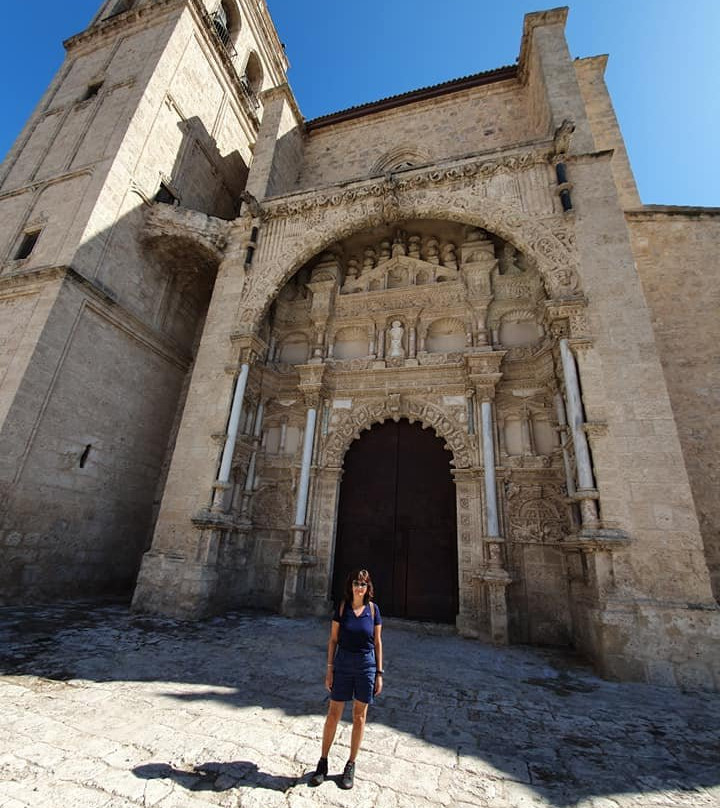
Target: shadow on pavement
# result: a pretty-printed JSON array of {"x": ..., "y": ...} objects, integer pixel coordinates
[
  {"x": 216, "y": 776},
  {"x": 534, "y": 717}
]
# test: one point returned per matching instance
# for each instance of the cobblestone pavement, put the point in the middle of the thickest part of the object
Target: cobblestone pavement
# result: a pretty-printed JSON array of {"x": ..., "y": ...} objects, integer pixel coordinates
[{"x": 101, "y": 708}]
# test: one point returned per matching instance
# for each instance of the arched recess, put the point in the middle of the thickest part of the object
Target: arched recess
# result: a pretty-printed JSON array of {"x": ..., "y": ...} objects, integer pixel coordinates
[
  {"x": 397, "y": 517},
  {"x": 542, "y": 248},
  {"x": 445, "y": 334},
  {"x": 352, "y": 422},
  {"x": 227, "y": 22},
  {"x": 253, "y": 75}
]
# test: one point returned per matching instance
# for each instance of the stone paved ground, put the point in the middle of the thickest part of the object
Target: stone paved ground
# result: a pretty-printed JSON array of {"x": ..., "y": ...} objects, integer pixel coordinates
[{"x": 100, "y": 708}]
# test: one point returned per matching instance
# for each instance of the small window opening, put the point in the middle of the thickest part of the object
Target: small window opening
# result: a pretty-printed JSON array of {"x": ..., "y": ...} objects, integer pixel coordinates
[
  {"x": 254, "y": 76},
  {"x": 84, "y": 456},
  {"x": 92, "y": 90},
  {"x": 220, "y": 21},
  {"x": 27, "y": 245},
  {"x": 165, "y": 195}
]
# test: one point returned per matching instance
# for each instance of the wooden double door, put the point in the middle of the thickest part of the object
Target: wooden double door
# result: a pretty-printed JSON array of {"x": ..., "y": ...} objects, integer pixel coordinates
[{"x": 397, "y": 519}]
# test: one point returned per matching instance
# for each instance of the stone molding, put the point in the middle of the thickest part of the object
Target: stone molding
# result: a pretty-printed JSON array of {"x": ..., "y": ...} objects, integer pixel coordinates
[
  {"x": 457, "y": 170},
  {"x": 394, "y": 407}
]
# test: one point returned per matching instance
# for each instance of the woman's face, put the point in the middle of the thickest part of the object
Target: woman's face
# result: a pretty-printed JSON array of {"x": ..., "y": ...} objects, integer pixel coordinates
[{"x": 359, "y": 587}]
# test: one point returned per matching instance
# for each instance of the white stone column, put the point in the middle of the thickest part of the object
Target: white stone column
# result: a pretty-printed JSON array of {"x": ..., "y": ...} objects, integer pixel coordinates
[
  {"x": 412, "y": 342},
  {"x": 586, "y": 492},
  {"x": 231, "y": 437},
  {"x": 562, "y": 424},
  {"x": 304, "y": 484},
  {"x": 250, "y": 478},
  {"x": 493, "y": 524},
  {"x": 381, "y": 344}
]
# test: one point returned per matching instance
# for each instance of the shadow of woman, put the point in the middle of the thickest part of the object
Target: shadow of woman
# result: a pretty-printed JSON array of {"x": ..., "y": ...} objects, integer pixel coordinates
[{"x": 217, "y": 776}]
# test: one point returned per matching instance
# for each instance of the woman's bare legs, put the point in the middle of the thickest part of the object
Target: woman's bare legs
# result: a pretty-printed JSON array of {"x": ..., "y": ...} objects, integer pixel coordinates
[
  {"x": 359, "y": 717},
  {"x": 334, "y": 714}
]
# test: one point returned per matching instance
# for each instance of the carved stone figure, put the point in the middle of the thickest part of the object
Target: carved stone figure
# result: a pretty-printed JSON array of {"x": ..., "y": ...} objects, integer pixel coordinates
[
  {"x": 414, "y": 247},
  {"x": 396, "y": 350},
  {"x": 449, "y": 257},
  {"x": 353, "y": 267},
  {"x": 398, "y": 247},
  {"x": 508, "y": 261},
  {"x": 368, "y": 259},
  {"x": 384, "y": 252},
  {"x": 432, "y": 251}
]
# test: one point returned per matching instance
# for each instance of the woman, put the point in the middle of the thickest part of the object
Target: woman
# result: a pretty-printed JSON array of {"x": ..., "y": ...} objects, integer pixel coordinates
[{"x": 354, "y": 668}]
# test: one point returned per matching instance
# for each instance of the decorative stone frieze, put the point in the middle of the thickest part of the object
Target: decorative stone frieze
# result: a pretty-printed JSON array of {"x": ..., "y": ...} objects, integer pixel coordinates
[{"x": 352, "y": 422}]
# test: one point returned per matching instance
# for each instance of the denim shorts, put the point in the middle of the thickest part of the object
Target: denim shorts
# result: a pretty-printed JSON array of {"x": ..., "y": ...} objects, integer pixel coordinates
[{"x": 353, "y": 677}]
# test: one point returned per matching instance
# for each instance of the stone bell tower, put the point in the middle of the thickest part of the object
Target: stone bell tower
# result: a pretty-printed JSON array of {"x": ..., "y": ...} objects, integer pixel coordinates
[{"x": 157, "y": 101}]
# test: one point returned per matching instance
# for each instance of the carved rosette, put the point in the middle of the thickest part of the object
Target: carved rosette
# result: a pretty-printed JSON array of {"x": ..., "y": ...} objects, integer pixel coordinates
[{"x": 363, "y": 416}]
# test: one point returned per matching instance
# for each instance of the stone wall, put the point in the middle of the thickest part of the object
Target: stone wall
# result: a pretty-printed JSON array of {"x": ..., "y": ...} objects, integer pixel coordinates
[
  {"x": 676, "y": 254},
  {"x": 94, "y": 357},
  {"x": 481, "y": 119},
  {"x": 604, "y": 125},
  {"x": 81, "y": 454}
]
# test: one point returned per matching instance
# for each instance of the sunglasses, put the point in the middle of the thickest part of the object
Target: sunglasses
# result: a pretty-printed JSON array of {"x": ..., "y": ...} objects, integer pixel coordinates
[{"x": 359, "y": 583}]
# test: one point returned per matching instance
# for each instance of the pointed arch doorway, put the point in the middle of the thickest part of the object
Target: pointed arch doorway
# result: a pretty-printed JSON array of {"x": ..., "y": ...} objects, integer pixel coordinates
[{"x": 397, "y": 517}]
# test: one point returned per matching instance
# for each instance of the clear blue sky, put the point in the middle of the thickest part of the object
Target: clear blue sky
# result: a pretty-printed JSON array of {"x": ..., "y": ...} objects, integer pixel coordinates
[{"x": 663, "y": 70}]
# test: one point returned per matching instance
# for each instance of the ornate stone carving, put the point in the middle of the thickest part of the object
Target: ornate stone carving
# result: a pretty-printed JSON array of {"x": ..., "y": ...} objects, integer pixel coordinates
[
  {"x": 536, "y": 513},
  {"x": 350, "y": 423},
  {"x": 396, "y": 349},
  {"x": 273, "y": 507},
  {"x": 462, "y": 170},
  {"x": 534, "y": 238}
]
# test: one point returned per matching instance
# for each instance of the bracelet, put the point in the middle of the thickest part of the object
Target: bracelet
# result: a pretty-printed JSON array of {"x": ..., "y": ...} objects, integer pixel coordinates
[{"x": 378, "y": 672}]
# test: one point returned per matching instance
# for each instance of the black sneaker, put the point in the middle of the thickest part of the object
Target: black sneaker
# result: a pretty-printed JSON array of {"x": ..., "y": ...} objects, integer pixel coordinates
[
  {"x": 348, "y": 776},
  {"x": 320, "y": 773}
]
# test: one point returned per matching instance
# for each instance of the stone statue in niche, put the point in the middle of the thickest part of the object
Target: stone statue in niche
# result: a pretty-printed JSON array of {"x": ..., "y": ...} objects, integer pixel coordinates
[
  {"x": 508, "y": 261},
  {"x": 385, "y": 252},
  {"x": 449, "y": 257},
  {"x": 368, "y": 259},
  {"x": 432, "y": 251},
  {"x": 398, "y": 247},
  {"x": 478, "y": 247},
  {"x": 396, "y": 350},
  {"x": 414, "y": 247}
]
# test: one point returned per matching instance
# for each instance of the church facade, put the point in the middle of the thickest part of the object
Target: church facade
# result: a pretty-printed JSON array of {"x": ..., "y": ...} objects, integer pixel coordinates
[{"x": 437, "y": 336}]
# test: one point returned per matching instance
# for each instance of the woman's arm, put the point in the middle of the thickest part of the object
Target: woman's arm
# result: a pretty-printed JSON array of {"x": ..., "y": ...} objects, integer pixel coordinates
[
  {"x": 378, "y": 659},
  {"x": 332, "y": 646}
]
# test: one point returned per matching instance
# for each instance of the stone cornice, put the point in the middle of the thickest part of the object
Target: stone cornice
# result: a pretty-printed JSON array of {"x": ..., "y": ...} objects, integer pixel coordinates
[
  {"x": 651, "y": 213},
  {"x": 452, "y": 171},
  {"x": 113, "y": 24}
]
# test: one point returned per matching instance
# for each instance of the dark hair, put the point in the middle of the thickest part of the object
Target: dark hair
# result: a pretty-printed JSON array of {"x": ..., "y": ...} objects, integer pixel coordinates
[{"x": 358, "y": 575}]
